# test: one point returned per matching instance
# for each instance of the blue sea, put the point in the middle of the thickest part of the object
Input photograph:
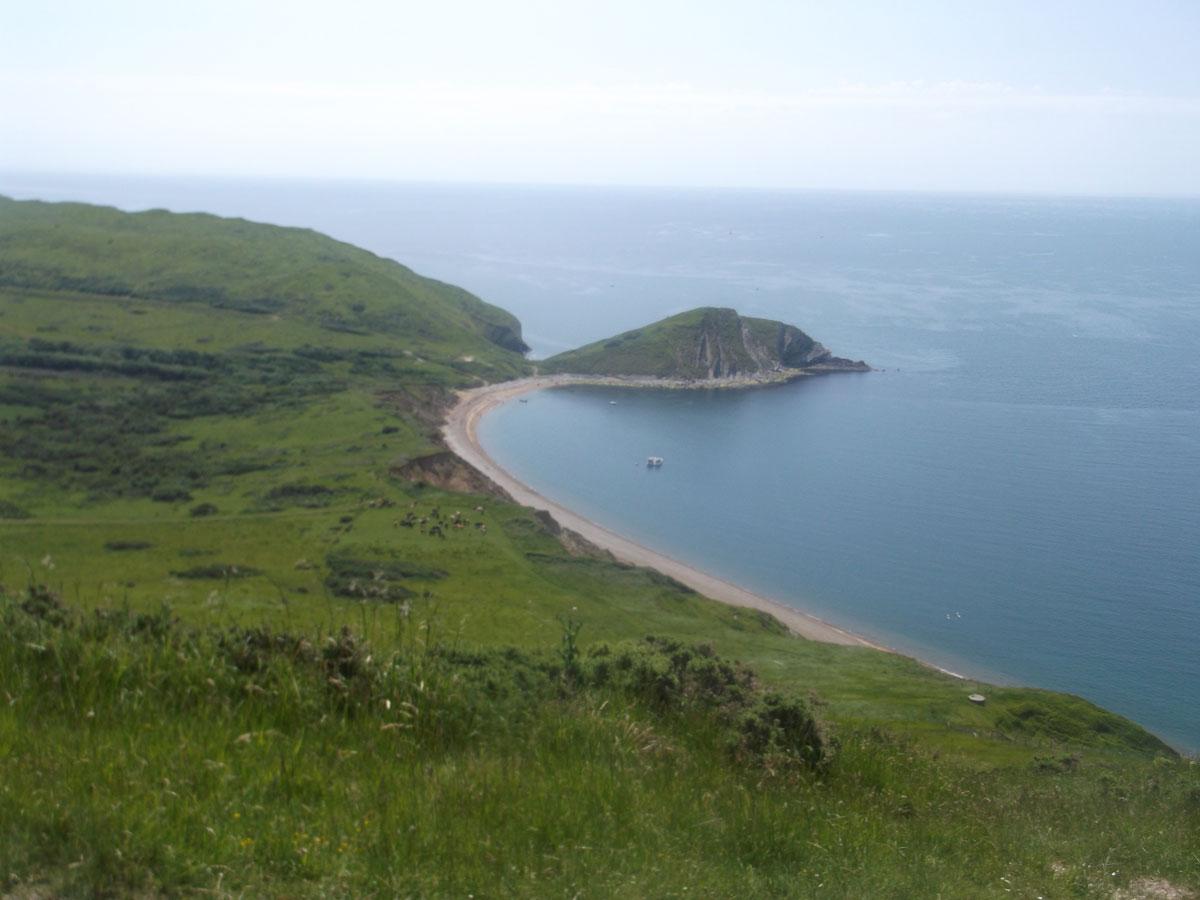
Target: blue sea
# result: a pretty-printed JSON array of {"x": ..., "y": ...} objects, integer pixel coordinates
[{"x": 1014, "y": 494}]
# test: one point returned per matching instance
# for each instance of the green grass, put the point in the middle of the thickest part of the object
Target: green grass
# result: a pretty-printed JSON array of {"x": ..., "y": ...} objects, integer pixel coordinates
[
  {"x": 242, "y": 466},
  {"x": 140, "y": 755},
  {"x": 512, "y": 584},
  {"x": 283, "y": 275}
]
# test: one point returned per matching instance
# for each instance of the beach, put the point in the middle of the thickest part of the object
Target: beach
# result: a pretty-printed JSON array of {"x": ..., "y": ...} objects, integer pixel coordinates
[{"x": 459, "y": 433}]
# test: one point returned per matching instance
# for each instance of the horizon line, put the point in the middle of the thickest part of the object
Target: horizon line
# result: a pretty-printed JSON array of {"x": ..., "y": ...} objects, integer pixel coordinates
[{"x": 592, "y": 185}]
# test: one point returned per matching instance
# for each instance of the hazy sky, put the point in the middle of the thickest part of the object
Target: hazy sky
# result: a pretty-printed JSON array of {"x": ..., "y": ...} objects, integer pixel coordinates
[{"x": 1051, "y": 95}]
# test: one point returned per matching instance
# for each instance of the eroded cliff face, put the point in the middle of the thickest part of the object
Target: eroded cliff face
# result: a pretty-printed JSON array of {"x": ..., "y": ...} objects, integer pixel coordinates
[
  {"x": 713, "y": 358},
  {"x": 447, "y": 471},
  {"x": 797, "y": 350},
  {"x": 728, "y": 345}
]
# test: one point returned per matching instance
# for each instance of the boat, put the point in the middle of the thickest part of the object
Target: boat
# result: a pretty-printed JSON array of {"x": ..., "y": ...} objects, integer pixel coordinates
[{"x": 654, "y": 462}]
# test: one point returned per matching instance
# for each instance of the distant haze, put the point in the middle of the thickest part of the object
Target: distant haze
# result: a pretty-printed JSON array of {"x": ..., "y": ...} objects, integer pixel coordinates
[{"x": 1018, "y": 96}]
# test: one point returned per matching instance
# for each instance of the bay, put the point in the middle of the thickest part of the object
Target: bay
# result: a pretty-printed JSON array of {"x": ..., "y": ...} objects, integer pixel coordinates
[{"x": 1016, "y": 495}]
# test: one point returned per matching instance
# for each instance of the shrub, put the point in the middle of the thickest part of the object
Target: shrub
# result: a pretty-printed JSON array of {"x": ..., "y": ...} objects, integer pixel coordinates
[
  {"x": 127, "y": 545},
  {"x": 299, "y": 494},
  {"x": 672, "y": 677},
  {"x": 44, "y": 605},
  {"x": 217, "y": 570},
  {"x": 12, "y": 511},
  {"x": 377, "y": 577},
  {"x": 170, "y": 495},
  {"x": 668, "y": 674},
  {"x": 779, "y": 726}
]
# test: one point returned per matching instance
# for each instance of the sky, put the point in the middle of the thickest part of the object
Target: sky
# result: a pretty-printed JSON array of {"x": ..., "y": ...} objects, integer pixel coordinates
[{"x": 1053, "y": 96}]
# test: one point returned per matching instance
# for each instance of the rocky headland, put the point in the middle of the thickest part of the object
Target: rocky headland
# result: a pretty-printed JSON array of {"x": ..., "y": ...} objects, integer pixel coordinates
[{"x": 708, "y": 346}]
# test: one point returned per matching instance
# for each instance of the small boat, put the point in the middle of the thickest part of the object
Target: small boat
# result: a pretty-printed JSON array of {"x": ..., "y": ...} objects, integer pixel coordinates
[
  {"x": 522, "y": 400},
  {"x": 612, "y": 402},
  {"x": 654, "y": 462}
]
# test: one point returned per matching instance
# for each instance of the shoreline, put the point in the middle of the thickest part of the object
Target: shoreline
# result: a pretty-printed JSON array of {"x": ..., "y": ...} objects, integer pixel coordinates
[{"x": 459, "y": 431}]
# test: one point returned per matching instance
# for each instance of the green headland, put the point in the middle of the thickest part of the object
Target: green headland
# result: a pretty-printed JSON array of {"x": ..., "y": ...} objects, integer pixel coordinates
[
  {"x": 260, "y": 634},
  {"x": 703, "y": 344}
]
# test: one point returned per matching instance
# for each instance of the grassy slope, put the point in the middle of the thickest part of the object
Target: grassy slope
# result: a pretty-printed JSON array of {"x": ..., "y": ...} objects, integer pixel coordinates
[
  {"x": 665, "y": 349},
  {"x": 298, "y": 473},
  {"x": 164, "y": 759},
  {"x": 287, "y": 275}
]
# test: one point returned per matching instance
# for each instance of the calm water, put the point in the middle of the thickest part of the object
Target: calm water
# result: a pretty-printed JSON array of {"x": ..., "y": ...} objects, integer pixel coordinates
[{"x": 1017, "y": 496}]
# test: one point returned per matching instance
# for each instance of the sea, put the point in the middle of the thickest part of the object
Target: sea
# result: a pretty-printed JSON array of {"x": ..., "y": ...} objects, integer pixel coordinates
[{"x": 1013, "y": 494}]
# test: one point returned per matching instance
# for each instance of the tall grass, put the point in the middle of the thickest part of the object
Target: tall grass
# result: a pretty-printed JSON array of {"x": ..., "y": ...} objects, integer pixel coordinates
[{"x": 137, "y": 754}]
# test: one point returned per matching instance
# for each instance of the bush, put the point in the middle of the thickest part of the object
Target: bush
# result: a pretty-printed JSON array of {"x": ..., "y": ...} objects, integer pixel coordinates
[
  {"x": 203, "y": 509},
  {"x": 128, "y": 545},
  {"x": 217, "y": 571},
  {"x": 667, "y": 674},
  {"x": 672, "y": 677},
  {"x": 12, "y": 511},
  {"x": 44, "y": 605},
  {"x": 779, "y": 726},
  {"x": 377, "y": 577},
  {"x": 170, "y": 495},
  {"x": 299, "y": 494}
]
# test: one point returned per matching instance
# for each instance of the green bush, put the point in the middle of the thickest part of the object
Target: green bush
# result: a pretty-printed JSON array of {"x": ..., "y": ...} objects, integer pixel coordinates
[
  {"x": 375, "y": 577},
  {"x": 675, "y": 678},
  {"x": 119, "y": 546},
  {"x": 217, "y": 571},
  {"x": 12, "y": 511},
  {"x": 300, "y": 494},
  {"x": 173, "y": 494}
]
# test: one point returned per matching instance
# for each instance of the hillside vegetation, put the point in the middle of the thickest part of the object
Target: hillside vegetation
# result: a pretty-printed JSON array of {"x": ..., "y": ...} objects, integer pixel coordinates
[
  {"x": 702, "y": 344},
  {"x": 252, "y": 642},
  {"x": 263, "y": 271}
]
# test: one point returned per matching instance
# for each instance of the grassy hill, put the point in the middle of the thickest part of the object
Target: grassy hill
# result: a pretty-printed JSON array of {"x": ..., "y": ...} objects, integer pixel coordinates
[
  {"x": 704, "y": 343},
  {"x": 243, "y": 651},
  {"x": 276, "y": 274},
  {"x": 144, "y": 353}
]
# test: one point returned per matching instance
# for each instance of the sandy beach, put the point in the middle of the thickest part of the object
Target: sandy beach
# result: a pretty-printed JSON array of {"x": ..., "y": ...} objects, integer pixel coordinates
[{"x": 459, "y": 432}]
